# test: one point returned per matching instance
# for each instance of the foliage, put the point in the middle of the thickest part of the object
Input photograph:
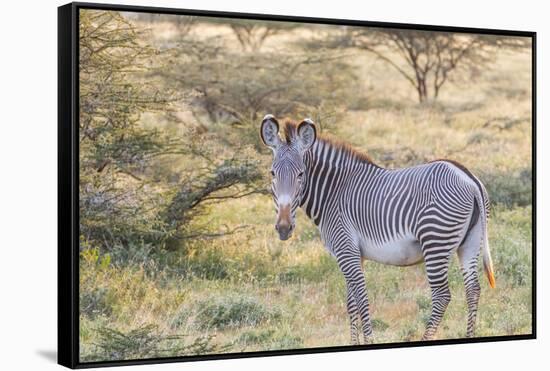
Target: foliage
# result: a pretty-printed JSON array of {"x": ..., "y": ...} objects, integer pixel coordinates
[
  {"x": 114, "y": 149},
  {"x": 239, "y": 88},
  {"x": 122, "y": 199},
  {"x": 205, "y": 188},
  {"x": 145, "y": 342},
  {"x": 512, "y": 189}
]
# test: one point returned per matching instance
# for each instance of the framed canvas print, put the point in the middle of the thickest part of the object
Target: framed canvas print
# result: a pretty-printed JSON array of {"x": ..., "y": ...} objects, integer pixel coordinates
[{"x": 237, "y": 185}]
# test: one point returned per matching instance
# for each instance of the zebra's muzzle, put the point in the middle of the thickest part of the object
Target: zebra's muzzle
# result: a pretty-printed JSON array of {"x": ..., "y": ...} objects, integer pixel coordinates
[
  {"x": 284, "y": 223},
  {"x": 285, "y": 231}
]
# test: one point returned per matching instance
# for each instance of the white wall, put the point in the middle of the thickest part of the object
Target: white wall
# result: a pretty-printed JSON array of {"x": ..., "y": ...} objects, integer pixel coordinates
[{"x": 28, "y": 181}]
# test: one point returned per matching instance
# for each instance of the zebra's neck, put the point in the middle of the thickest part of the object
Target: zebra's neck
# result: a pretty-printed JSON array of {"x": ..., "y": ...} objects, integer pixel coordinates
[{"x": 328, "y": 166}]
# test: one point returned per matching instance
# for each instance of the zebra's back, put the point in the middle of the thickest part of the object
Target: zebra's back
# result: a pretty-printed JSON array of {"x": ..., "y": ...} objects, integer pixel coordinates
[{"x": 390, "y": 210}]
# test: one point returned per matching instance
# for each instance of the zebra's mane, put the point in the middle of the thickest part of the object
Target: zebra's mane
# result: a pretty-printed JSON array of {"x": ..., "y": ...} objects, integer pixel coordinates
[{"x": 290, "y": 132}]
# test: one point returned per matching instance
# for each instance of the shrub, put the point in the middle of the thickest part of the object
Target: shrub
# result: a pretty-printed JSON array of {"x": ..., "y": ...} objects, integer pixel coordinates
[
  {"x": 146, "y": 342},
  {"x": 513, "y": 188},
  {"x": 116, "y": 345},
  {"x": 237, "y": 311}
]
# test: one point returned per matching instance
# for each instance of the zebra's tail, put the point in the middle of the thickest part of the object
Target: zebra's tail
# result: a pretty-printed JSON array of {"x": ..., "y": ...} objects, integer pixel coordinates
[
  {"x": 483, "y": 213},
  {"x": 488, "y": 265}
]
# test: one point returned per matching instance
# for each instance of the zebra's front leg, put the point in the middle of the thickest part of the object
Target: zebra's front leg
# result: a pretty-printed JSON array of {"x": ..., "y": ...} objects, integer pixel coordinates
[
  {"x": 353, "y": 317},
  {"x": 350, "y": 265}
]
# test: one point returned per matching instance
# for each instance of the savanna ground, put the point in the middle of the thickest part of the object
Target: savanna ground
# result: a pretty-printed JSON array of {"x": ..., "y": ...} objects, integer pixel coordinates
[{"x": 162, "y": 290}]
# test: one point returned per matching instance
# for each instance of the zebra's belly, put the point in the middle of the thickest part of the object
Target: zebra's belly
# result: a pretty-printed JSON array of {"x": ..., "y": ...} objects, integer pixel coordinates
[{"x": 402, "y": 251}]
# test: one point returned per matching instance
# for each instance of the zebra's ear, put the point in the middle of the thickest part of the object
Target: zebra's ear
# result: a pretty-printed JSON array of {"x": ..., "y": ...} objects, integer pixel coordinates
[
  {"x": 269, "y": 132},
  {"x": 307, "y": 133}
]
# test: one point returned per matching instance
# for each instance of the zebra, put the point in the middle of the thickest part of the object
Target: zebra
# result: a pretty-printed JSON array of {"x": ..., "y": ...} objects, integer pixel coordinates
[{"x": 401, "y": 217}]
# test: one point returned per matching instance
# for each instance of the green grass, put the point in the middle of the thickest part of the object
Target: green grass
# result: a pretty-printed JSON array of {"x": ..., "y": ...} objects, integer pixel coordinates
[{"x": 297, "y": 300}]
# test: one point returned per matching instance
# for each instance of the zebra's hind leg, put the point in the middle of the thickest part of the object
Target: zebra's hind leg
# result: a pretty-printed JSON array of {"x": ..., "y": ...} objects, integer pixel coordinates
[
  {"x": 471, "y": 282},
  {"x": 437, "y": 258},
  {"x": 468, "y": 256},
  {"x": 353, "y": 317}
]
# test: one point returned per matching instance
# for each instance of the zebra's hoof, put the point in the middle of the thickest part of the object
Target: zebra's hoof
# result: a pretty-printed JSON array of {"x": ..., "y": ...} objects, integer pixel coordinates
[{"x": 369, "y": 339}]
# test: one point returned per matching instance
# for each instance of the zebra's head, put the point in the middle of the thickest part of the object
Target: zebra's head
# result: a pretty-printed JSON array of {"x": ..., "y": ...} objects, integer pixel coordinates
[{"x": 288, "y": 168}]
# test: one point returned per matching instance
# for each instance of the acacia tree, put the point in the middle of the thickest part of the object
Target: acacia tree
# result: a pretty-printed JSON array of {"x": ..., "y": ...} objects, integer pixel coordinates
[
  {"x": 252, "y": 34},
  {"x": 427, "y": 59},
  {"x": 183, "y": 24},
  {"x": 235, "y": 89},
  {"x": 122, "y": 197}
]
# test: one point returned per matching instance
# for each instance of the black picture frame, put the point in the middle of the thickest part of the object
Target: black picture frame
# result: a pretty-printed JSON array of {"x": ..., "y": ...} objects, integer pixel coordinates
[{"x": 68, "y": 181}]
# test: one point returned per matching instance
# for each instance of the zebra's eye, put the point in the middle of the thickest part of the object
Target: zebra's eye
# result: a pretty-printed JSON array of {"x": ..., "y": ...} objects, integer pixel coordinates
[
  {"x": 301, "y": 174},
  {"x": 272, "y": 173}
]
